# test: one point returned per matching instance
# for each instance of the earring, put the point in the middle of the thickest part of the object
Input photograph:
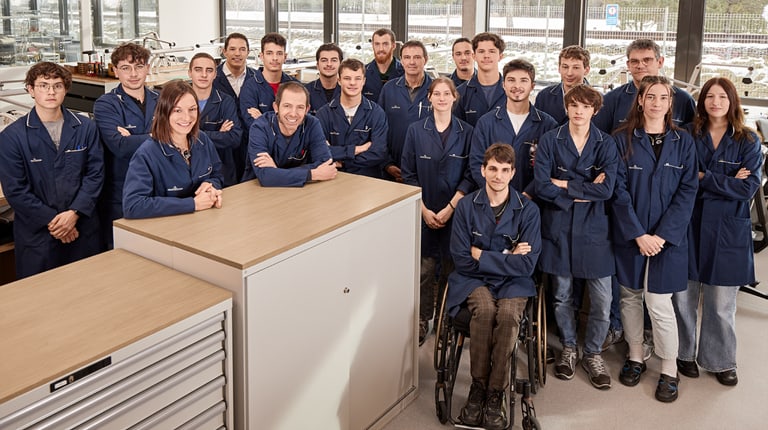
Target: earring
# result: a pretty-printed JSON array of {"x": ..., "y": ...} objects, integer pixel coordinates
[{"x": 639, "y": 108}]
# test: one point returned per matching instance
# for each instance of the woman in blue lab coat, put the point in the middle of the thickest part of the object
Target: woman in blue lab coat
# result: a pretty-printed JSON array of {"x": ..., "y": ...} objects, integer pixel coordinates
[
  {"x": 52, "y": 171},
  {"x": 721, "y": 257},
  {"x": 655, "y": 192},
  {"x": 435, "y": 156},
  {"x": 574, "y": 176},
  {"x": 177, "y": 170}
]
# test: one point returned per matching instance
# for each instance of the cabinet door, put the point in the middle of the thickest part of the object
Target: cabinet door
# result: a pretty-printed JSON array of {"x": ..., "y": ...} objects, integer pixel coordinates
[
  {"x": 384, "y": 312},
  {"x": 298, "y": 351}
]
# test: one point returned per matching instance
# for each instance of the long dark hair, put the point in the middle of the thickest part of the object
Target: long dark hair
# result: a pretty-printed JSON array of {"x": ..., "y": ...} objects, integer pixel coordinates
[
  {"x": 636, "y": 117},
  {"x": 735, "y": 114},
  {"x": 169, "y": 96}
]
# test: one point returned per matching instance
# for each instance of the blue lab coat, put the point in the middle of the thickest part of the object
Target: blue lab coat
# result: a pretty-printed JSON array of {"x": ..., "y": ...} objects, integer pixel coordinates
[
  {"x": 574, "y": 235},
  {"x": 317, "y": 97},
  {"x": 720, "y": 232},
  {"x": 373, "y": 85},
  {"x": 505, "y": 275},
  {"x": 495, "y": 127},
  {"x": 222, "y": 84},
  {"x": 219, "y": 108},
  {"x": 472, "y": 103},
  {"x": 618, "y": 102},
  {"x": 654, "y": 197},
  {"x": 40, "y": 182},
  {"x": 439, "y": 170},
  {"x": 369, "y": 124},
  {"x": 294, "y": 156},
  {"x": 116, "y": 109},
  {"x": 401, "y": 112},
  {"x": 457, "y": 81},
  {"x": 160, "y": 183},
  {"x": 257, "y": 93}
]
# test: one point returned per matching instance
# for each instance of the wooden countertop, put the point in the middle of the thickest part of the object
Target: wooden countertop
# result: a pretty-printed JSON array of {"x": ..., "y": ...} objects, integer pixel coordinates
[
  {"x": 58, "y": 321},
  {"x": 257, "y": 223}
]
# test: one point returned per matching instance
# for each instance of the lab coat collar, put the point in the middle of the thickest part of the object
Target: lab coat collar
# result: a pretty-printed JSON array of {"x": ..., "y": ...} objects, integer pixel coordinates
[
  {"x": 70, "y": 119},
  {"x": 456, "y": 127}
]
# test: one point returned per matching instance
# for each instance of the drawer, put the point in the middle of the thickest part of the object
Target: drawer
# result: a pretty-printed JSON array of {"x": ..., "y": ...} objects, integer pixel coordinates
[
  {"x": 199, "y": 409},
  {"x": 146, "y": 403}
]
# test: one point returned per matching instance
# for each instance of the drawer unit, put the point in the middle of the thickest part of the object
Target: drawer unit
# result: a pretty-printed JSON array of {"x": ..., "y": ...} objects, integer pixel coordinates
[{"x": 174, "y": 377}]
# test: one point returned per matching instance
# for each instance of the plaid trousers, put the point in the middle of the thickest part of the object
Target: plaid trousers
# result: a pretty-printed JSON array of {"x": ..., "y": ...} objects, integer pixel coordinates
[{"x": 493, "y": 331}]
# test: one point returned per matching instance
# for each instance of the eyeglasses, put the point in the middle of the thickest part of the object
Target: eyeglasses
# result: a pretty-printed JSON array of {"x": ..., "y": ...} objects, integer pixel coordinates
[
  {"x": 57, "y": 87},
  {"x": 128, "y": 69},
  {"x": 646, "y": 61}
]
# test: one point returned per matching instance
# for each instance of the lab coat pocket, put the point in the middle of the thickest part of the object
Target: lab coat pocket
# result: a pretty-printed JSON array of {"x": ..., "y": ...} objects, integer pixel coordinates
[
  {"x": 74, "y": 160},
  {"x": 455, "y": 167},
  {"x": 735, "y": 233}
]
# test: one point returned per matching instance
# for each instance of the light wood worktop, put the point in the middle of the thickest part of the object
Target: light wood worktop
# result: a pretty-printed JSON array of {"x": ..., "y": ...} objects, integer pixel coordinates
[
  {"x": 256, "y": 223},
  {"x": 58, "y": 321}
]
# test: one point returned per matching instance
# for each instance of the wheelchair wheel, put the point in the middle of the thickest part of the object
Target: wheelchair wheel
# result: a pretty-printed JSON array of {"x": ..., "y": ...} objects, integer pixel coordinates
[
  {"x": 531, "y": 347},
  {"x": 541, "y": 337},
  {"x": 442, "y": 412},
  {"x": 441, "y": 331},
  {"x": 531, "y": 423}
]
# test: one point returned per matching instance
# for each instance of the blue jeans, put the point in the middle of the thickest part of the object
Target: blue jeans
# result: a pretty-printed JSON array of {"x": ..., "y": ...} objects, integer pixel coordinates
[
  {"x": 717, "y": 338},
  {"x": 599, "y": 310}
]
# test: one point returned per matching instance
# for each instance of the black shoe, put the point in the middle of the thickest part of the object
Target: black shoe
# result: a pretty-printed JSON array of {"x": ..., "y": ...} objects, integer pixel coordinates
[
  {"x": 727, "y": 377},
  {"x": 495, "y": 411},
  {"x": 423, "y": 329},
  {"x": 631, "y": 372},
  {"x": 666, "y": 391},
  {"x": 472, "y": 412},
  {"x": 688, "y": 368}
]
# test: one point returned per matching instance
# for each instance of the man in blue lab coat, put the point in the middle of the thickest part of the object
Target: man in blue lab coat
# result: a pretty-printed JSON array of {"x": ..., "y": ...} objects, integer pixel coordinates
[
  {"x": 384, "y": 67},
  {"x": 286, "y": 146},
  {"x": 326, "y": 87},
  {"x": 52, "y": 171},
  {"x": 484, "y": 91},
  {"x": 516, "y": 123},
  {"x": 355, "y": 127},
  {"x": 124, "y": 117},
  {"x": 404, "y": 100},
  {"x": 217, "y": 116},
  {"x": 258, "y": 93},
  {"x": 573, "y": 66},
  {"x": 495, "y": 243}
]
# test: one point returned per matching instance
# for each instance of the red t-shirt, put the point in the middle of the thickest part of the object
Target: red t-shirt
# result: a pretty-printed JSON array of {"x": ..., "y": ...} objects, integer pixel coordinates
[{"x": 274, "y": 86}]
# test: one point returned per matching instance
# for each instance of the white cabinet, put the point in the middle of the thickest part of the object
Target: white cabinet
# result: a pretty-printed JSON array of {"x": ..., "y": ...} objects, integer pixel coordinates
[{"x": 325, "y": 284}]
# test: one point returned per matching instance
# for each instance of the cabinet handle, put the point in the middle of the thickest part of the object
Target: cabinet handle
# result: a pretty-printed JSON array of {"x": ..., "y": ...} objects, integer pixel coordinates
[{"x": 346, "y": 290}]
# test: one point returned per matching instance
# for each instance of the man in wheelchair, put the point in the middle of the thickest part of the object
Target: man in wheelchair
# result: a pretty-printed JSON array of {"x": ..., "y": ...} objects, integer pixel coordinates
[{"x": 495, "y": 244}]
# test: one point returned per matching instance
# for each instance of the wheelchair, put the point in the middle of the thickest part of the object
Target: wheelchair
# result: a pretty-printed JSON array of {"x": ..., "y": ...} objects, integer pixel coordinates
[{"x": 532, "y": 341}]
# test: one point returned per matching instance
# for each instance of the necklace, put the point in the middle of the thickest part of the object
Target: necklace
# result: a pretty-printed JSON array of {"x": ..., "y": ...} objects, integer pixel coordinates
[
  {"x": 498, "y": 211},
  {"x": 185, "y": 153},
  {"x": 656, "y": 138}
]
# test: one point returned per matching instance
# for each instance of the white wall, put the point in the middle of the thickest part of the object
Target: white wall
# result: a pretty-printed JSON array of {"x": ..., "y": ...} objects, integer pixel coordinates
[{"x": 188, "y": 23}]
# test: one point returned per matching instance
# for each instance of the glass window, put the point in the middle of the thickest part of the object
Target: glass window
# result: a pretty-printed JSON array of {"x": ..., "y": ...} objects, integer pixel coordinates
[
  {"x": 358, "y": 19},
  {"x": 117, "y": 21},
  {"x": 40, "y": 31},
  {"x": 246, "y": 17},
  {"x": 532, "y": 30},
  {"x": 735, "y": 47},
  {"x": 611, "y": 29},
  {"x": 301, "y": 22},
  {"x": 437, "y": 25}
]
